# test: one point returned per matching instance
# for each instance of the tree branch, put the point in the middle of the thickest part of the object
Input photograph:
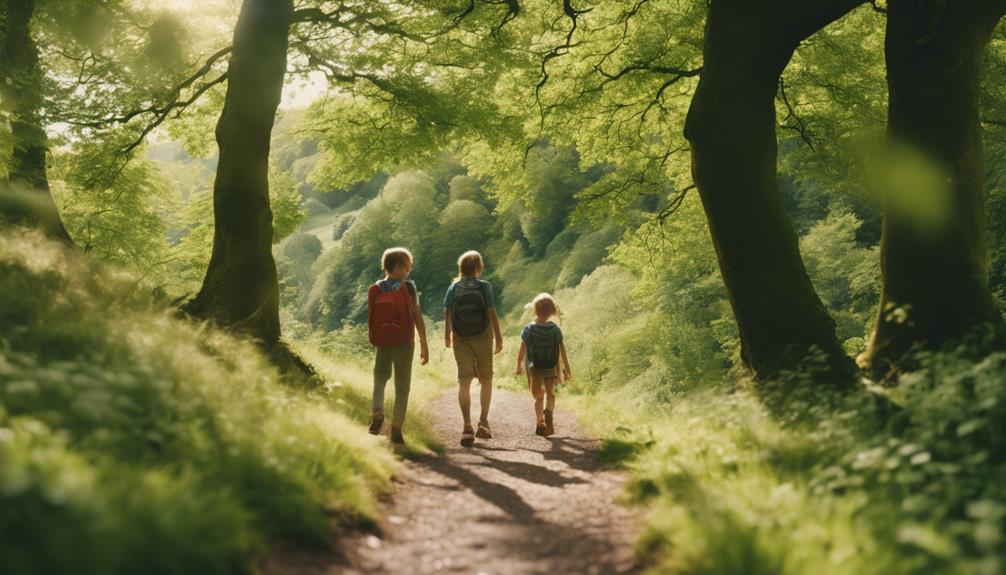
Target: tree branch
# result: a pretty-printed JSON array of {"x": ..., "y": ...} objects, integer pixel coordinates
[
  {"x": 172, "y": 104},
  {"x": 798, "y": 125},
  {"x": 572, "y": 14}
]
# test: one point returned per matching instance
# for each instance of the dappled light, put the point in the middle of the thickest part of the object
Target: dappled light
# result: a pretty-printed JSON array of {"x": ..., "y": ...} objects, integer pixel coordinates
[{"x": 502, "y": 287}]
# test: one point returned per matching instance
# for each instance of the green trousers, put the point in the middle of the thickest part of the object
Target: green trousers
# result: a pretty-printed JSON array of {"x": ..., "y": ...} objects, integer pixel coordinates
[{"x": 399, "y": 360}]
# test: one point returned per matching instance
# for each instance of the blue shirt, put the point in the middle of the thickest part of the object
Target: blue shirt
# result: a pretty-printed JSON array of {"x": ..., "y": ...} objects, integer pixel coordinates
[
  {"x": 526, "y": 334},
  {"x": 485, "y": 288}
]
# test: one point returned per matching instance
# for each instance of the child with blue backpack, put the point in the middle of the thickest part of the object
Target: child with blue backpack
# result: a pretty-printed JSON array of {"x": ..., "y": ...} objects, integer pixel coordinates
[
  {"x": 393, "y": 317},
  {"x": 541, "y": 349},
  {"x": 471, "y": 328}
]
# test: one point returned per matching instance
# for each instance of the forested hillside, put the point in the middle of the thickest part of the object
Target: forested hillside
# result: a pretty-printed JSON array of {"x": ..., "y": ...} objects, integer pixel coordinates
[{"x": 776, "y": 233}]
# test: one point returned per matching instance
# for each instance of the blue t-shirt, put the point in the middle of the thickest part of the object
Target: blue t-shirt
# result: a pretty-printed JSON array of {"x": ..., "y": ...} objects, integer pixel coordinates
[
  {"x": 526, "y": 334},
  {"x": 485, "y": 288}
]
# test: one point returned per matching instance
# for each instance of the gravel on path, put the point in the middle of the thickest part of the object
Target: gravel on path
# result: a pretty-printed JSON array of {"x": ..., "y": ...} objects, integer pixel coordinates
[{"x": 514, "y": 504}]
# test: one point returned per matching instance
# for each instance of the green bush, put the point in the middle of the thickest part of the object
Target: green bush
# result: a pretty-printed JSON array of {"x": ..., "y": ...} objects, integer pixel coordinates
[
  {"x": 907, "y": 481},
  {"x": 132, "y": 442}
]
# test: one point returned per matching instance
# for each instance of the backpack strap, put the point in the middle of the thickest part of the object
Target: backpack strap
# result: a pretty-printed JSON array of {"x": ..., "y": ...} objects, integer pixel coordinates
[{"x": 411, "y": 298}]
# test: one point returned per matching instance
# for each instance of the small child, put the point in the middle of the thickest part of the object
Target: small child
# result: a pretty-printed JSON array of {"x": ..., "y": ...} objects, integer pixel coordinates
[
  {"x": 471, "y": 327},
  {"x": 540, "y": 350},
  {"x": 393, "y": 316}
]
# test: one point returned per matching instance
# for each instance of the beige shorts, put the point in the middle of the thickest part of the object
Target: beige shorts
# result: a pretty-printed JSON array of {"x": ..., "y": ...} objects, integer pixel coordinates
[{"x": 474, "y": 355}]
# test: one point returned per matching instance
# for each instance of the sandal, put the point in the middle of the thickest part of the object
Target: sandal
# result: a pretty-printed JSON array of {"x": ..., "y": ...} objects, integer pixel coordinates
[
  {"x": 467, "y": 437},
  {"x": 376, "y": 421},
  {"x": 484, "y": 432}
]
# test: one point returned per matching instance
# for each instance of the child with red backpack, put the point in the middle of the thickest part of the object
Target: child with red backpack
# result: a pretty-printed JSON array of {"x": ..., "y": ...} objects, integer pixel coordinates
[
  {"x": 541, "y": 349},
  {"x": 471, "y": 328},
  {"x": 393, "y": 316}
]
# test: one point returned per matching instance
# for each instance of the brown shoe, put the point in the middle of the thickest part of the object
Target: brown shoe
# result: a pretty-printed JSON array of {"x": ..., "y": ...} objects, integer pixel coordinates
[
  {"x": 396, "y": 436},
  {"x": 540, "y": 429},
  {"x": 484, "y": 432},
  {"x": 376, "y": 421},
  {"x": 549, "y": 427}
]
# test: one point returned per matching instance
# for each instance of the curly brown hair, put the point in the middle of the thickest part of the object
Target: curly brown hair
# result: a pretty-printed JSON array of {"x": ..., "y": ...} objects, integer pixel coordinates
[{"x": 395, "y": 257}]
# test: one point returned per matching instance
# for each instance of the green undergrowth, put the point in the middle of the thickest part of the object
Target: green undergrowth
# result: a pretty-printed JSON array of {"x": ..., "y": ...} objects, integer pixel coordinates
[
  {"x": 344, "y": 359},
  {"x": 822, "y": 483},
  {"x": 134, "y": 442}
]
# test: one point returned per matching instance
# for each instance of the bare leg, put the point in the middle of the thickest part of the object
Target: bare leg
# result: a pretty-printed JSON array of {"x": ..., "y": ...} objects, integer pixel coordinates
[
  {"x": 550, "y": 393},
  {"x": 465, "y": 400},
  {"x": 539, "y": 398},
  {"x": 485, "y": 397},
  {"x": 550, "y": 405}
]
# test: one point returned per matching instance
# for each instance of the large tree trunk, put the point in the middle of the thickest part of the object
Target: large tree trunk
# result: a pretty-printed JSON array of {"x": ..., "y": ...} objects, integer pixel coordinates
[
  {"x": 732, "y": 129},
  {"x": 240, "y": 289},
  {"x": 935, "y": 287},
  {"x": 21, "y": 92}
]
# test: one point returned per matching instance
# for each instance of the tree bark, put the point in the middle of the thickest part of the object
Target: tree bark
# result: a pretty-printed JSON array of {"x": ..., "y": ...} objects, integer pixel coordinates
[
  {"x": 936, "y": 273},
  {"x": 240, "y": 289},
  {"x": 21, "y": 92},
  {"x": 731, "y": 125}
]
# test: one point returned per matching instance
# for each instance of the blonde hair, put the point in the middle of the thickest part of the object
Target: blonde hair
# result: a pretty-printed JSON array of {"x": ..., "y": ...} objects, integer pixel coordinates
[
  {"x": 544, "y": 305},
  {"x": 470, "y": 263},
  {"x": 395, "y": 257}
]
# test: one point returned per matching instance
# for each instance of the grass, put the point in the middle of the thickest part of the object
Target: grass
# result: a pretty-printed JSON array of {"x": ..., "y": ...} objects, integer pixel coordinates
[
  {"x": 821, "y": 484},
  {"x": 131, "y": 441},
  {"x": 345, "y": 356}
]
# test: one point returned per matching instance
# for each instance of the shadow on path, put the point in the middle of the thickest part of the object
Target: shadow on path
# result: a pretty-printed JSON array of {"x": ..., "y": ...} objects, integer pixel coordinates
[{"x": 515, "y": 504}]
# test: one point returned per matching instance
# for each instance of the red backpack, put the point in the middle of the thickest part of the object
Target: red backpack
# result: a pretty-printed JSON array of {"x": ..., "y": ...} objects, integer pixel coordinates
[{"x": 390, "y": 316}]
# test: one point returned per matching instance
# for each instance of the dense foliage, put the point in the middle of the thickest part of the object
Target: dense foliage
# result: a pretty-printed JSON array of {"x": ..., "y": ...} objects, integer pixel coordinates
[
  {"x": 130, "y": 441},
  {"x": 820, "y": 484}
]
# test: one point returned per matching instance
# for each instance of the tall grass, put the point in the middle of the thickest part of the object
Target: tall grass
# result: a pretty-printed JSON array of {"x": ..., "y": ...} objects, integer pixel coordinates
[
  {"x": 131, "y": 441},
  {"x": 821, "y": 483}
]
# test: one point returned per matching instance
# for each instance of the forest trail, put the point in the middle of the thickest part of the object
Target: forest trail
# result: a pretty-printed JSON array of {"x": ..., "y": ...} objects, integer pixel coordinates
[{"x": 514, "y": 504}]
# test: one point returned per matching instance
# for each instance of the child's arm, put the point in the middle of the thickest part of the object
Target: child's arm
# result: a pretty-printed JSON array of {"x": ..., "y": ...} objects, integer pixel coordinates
[
  {"x": 496, "y": 329},
  {"x": 447, "y": 327},
  {"x": 520, "y": 358},
  {"x": 424, "y": 350},
  {"x": 566, "y": 372}
]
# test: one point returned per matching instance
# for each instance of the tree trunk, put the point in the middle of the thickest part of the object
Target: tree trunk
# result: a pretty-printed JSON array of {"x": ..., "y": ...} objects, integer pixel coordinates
[
  {"x": 240, "y": 289},
  {"x": 22, "y": 99},
  {"x": 731, "y": 125},
  {"x": 935, "y": 273}
]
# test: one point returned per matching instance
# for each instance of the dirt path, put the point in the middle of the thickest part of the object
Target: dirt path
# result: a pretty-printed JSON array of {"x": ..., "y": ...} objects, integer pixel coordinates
[{"x": 515, "y": 504}]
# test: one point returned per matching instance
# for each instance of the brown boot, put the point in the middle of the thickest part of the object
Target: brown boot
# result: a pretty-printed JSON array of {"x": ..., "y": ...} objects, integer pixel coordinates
[
  {"x": 540, "y": 429},
  {"x": 376, "y": 421},
  {"x": 549, "y": 427}
]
